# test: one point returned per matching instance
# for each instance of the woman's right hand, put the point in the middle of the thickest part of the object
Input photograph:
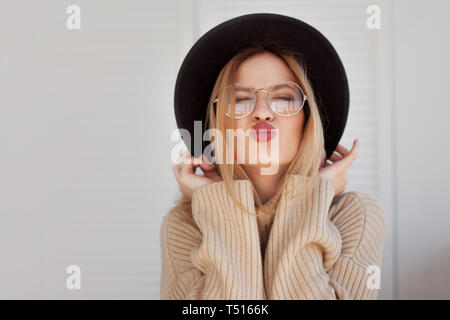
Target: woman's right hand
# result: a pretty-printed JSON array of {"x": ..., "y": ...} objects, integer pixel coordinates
[{"x": 184, "y": 171}]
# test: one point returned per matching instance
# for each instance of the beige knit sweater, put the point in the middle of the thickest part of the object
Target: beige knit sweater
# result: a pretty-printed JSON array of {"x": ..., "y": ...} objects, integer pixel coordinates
[{"x": 315, "y": 246}]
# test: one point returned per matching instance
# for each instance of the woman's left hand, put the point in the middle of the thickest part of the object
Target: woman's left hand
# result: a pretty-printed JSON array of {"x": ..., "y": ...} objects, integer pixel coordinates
[{"x": 336, "y": 167}]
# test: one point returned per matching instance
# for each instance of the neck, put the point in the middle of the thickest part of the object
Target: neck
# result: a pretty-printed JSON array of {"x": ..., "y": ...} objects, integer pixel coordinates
[{"x": 266, "y": 185}]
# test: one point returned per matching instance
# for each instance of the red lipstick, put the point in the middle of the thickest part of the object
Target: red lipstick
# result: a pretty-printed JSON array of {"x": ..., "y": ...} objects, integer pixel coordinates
[{"x": 262, "y": 132}]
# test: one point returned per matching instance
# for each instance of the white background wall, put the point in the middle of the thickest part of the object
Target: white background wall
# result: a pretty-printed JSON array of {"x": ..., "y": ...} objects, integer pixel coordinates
[
  {"x": 421, "y": 140},
  {"x": 86, "y": 118}
]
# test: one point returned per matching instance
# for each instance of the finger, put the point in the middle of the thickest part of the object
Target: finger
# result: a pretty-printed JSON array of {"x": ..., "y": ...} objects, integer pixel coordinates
[
  {"x": 176, "y": 170},
  {"x": 197, "y": 161},
  {"x": 186, "y": 154},
  {"x": 213, "y": 174},
  {"x": 352, "y": 154},
  {"x": 187, "y": 166},
  {"x": 190, "y": 160},
  {"x": 205, "y": 159},
  {"x": 206, "y": 163},
  {"x": 177, "y": 167},
  {"x": 340, "y": 149},
  {"x": 206, "y": 167},
  {"x": 209, "y": 169},
  {"x": 181, "y": 158},
  {"x": 185, "y": 157},
  {"x": 335, "y": 157}
]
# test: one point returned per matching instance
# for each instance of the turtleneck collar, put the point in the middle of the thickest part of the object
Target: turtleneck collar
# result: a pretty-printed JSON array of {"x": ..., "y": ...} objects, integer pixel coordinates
[{"x": 270, "y": 205}]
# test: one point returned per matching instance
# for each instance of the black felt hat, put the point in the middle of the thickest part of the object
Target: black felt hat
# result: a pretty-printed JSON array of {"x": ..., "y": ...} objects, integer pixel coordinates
[{"x": 209, "y": 54}]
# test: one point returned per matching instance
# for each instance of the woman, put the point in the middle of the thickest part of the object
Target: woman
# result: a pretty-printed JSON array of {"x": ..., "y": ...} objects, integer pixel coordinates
[{"x": 295, "y": 234}]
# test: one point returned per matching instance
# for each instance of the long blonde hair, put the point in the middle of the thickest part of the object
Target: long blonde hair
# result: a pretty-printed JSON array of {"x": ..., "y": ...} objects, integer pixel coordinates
[{"x": 306, "y": 162}]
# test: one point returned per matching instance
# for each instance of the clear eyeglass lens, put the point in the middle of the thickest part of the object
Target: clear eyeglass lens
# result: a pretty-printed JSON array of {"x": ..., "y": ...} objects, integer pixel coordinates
[
  {"x": 286, "y": 99},
  {"x": 243, "y": 99}
]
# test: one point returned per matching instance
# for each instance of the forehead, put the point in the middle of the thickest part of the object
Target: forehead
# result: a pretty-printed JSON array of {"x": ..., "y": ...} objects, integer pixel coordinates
[{"x": 263, "y": 70}]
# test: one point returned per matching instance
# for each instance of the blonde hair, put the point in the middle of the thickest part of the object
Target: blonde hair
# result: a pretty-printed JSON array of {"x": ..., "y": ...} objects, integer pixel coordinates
[{"x": 306, "y": 162}]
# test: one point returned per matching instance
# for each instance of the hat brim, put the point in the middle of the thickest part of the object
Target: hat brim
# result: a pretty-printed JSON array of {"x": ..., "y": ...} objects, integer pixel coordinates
[{"x": 202, "y": 65}]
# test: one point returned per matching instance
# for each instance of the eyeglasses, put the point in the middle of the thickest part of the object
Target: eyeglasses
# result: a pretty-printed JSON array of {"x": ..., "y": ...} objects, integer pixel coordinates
[{"x": 285, "y": 99}]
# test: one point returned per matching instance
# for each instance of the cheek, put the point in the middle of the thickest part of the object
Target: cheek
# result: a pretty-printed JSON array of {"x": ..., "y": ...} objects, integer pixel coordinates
[
  {"x": 292, "y": 129},
  {"x": 291, "y": 132},
  {"x": 236, "y": 124},
  {"x": 243, "y": 124}
]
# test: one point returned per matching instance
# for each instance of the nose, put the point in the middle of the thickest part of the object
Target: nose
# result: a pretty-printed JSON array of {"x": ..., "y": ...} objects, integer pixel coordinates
[{"x": 262, "y": 109}]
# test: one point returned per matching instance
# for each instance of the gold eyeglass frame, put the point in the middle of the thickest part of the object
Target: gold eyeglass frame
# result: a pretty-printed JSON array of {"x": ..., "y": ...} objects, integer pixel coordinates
[{"x": 268, "y": 99}]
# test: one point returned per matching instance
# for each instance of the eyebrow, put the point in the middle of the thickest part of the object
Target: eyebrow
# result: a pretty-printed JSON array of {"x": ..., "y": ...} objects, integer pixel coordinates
[
  {"x": 242, "y": 87},
  {"x": 246, "y": 89}
]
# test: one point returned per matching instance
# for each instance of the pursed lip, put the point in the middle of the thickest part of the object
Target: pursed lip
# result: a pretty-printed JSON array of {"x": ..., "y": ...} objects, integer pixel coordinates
[{"x": 263, "y": 132}]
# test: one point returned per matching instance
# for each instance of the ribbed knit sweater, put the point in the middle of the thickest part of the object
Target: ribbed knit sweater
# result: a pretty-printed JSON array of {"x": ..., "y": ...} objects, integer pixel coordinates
[{"x": 314, "y": 246}]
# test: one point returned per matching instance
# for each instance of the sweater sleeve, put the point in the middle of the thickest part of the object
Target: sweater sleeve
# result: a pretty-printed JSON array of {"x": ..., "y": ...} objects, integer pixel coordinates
[
  {"x": 215, "y": 253},
  {"x": 323, "y": 253}
]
